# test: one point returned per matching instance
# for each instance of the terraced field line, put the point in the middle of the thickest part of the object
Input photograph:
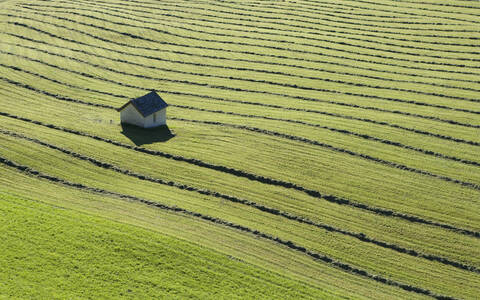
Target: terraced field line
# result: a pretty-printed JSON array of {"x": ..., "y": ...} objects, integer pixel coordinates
[
  {"x": 254, "y": 177},
  {"x": 381, "y": 123},
  {"x": 221, "y": 87},
  {"x": 314, "y": 255},
  {"x": 355, "y": 54},
  {"x": 354, "y": 66},
  {"x": 301, "y": 219},
  {"x": 267, "y": 132},
  {"x": 193, "y": 37},
  {"x": 161, "y": 58},
  {"x": 323, "y": 79},
  {"x": 142, "y": 20},
  {"x": 376, "y": 4},
  {"x": 342, "y": 131},
  {"x": 300, "y": 34}
]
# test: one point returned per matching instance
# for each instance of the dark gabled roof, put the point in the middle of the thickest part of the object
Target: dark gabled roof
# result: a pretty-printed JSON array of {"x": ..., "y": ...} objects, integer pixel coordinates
[{"x": 147, "y": 105}]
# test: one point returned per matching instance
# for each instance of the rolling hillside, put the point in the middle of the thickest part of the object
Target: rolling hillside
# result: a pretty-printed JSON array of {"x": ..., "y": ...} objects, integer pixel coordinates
[{"x": 320, "y": 149}]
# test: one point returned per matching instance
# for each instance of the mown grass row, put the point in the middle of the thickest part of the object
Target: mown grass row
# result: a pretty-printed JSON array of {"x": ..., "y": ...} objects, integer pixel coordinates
[
  {"x": 236, "y": 60},
  {"x": 219, "y": 50},
  {"x": 374, "y": 6},
  {"x": 316, "y": 143},
  {"x": 276, "y": 134},
  {"x": 245, "y": 167},
  {"x": 238, "y": 247},
  {"x": 194, "y": 11},
  {"x": 288, "y": 242},
  {"x": 147, "y": 150},
  {"x": 319, "y": 7},
  {"x": 413, "y": 130},
  {"x": 470, "y": 143},
  {"x": 265, "y": 46},
  {"x": 440, "y": 95},
  {"x": 42, "y": 238},
  {"x": 360, "y": 236},
  {"x": 252, "y": 177},
  {"x": 346, "y": 132},
  {"x": 150, "y": 20},
  {"x": 230, "y": 161},
  {"x": 274, "y": 30},
  {"x": 453, "y": 122}
]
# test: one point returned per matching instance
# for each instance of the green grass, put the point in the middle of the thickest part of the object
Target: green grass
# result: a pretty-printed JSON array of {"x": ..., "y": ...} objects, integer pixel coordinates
[
  {"x": 368, "y": 108},
  {"x": 50, "y": 252}
]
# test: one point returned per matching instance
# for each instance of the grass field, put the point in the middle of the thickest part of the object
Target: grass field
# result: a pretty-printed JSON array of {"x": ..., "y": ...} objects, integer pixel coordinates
[{"x": 320, "y": 149}]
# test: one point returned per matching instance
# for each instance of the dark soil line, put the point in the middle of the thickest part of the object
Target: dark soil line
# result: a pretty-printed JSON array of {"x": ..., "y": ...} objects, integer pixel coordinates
[
  {"x": 389, "y": 19},
  {"x": 336, "y": 149},
  {"x": 440, "y": 4},
  {"x": 307, "y": 21},
  {"x": 291, "y": 11},
  {"x": 355, "y": 66},
  {"x": 316, "y": 256},
  {"x": 323, "y": 47},
  {"x": 193, "y": 37},
  {"x": 372, "y": 25},
  {"x": 143, "y": 19},
  {"x": 343, "y": 131},
  {"x": 254, "y": 177},
  {"x": 290, "y": 75},
  {"x": 15, "y": 68},
  {"x": 221, "y": 87},
  {"x": 267, "y": 132},
  {"x": 351, "y": 30},
  {"x": 286, "y": 85},
  {"x": 406, "y": 13},
  {"x": 359, "y": 236},
  {"x": 381, "y": 123},
  {"x": 234, "y": 59}
]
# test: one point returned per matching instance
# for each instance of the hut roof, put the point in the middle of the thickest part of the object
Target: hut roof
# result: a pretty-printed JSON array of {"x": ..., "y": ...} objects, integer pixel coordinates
[{"x": 147, "y": 104}]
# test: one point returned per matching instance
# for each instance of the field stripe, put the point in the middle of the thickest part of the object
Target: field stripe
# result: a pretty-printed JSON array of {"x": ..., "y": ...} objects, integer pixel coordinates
[
  {"x": 221, "y": 87},
  {"x": 441, "y": 95},
  {"x": 279, "y": 6},
  {"x": 332, "y": 129},
  {"x": 315, "y": 256},
  {"x": 357, "y": 235},
  {"x": 375, "y": 4},
  {"x": 323, "y": 47},
  {"x": 247, "y": 12},
  {"x": 280, "y": 31},
  {"x": 248, "y": 52},
  {"x": 150, "y": 20},
  {"x": 242, "y": 60},
  {"x": 288, "y": 85},
  {"x": 258, "y": 178},
  {"x": 270, "y": 133},
  {"x": 194, "y": 37},
  {"x": 381, "y": 123},
  {"x": 358, "y": 30},
  {"x": 296, "y": 11}
]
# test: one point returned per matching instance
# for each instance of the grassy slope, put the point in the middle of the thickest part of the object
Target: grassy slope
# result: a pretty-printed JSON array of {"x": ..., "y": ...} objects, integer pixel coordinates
[
  {"x": 321, "y": 280},
  {"x": 429, "y": 196},
  {"x": 48, "y": 251}
]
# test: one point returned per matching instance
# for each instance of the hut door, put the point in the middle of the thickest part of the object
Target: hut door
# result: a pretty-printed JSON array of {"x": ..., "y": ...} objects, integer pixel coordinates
[{"x": 155, "y": 118}]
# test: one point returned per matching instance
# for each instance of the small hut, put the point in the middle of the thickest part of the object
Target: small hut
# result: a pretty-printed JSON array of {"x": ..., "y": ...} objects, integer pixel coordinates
[{"x": 146, "y": 111}]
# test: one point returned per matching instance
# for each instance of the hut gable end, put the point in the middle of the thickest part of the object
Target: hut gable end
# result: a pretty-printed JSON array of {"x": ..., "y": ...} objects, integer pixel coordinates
[{"x": 146, "y": 111}]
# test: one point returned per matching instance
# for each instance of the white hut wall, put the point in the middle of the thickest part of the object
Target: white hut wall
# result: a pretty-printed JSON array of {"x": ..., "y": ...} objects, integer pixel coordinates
[
  {"x": 131, "y": 116},
  {"x": 156, "y": 119}
]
